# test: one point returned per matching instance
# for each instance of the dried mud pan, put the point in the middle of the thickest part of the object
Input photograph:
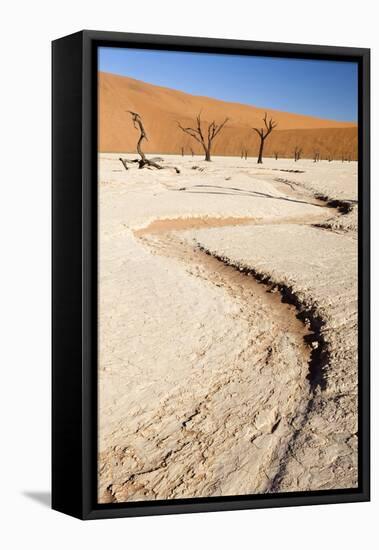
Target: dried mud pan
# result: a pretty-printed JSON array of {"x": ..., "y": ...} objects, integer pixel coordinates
[
  {"x": 228, "y": 332},
  {"x": 323, "y": 453}
]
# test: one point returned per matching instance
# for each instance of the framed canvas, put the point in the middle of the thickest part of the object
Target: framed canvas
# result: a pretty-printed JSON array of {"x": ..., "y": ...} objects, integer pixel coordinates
[{"x": 210, "y": 275}]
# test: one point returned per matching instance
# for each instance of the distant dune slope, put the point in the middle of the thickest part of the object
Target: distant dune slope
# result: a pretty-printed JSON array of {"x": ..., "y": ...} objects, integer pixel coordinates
[{"x": 161, "y": 108}]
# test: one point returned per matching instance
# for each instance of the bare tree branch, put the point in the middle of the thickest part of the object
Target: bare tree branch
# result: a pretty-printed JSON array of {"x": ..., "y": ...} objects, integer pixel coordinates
[
  {"x": 138, "y": 121},
  {"x": 192, "y": 132},
  {"x": 220, "y": 127}
]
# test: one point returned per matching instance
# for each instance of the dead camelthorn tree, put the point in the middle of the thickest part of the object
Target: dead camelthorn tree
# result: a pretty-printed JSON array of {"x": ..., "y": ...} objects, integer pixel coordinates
[
  {"x": 297, "y": 153},
  {"x": 330, "y": 155},
  {"x": 205, "y": 138},
  {"x": 143, "y": 161},
  {"x": 276, "y": 154},
  {"x": 316, "y": 156},
  {"x": 244, "y": 153},
  {"x": 263, "y": 133}
]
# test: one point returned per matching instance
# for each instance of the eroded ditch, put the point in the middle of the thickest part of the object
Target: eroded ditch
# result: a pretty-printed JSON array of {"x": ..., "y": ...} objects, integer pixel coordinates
[{"x": 282, "y": 305}]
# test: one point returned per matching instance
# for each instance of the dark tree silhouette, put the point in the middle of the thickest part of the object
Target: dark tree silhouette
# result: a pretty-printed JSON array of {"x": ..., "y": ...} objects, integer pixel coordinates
[
  {"x": 316, "y": 156},
  {"x": 205, "y": 138},
  {"x": 297, "y": 153},
  {"x": 143, "y": 161},
  {"x": 263, "y": 133},
  {"x": 276, "y": 154}
]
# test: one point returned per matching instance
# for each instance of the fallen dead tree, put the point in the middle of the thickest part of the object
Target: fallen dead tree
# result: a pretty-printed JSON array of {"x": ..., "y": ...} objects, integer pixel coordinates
[{"x": 143, "y": 161}]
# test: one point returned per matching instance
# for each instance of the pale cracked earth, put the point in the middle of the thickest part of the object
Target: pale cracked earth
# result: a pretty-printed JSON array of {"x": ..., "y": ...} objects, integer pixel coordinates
[{"x": 227, "y": 328}]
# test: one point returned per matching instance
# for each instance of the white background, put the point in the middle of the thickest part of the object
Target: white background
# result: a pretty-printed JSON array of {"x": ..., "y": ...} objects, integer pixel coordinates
[{"x": 26, "y": 31}]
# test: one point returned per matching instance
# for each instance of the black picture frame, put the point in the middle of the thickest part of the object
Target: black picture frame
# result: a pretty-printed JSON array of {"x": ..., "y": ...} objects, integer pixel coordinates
[{"x": 74, "y": 272}]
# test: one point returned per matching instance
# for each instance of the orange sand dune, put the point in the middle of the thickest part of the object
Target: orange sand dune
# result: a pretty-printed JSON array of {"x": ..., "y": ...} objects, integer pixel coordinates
[{"x": 161, "y": 108}]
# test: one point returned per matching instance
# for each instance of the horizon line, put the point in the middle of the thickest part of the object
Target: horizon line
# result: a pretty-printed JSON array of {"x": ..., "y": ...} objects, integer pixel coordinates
[{"x": 268, "y": 109}]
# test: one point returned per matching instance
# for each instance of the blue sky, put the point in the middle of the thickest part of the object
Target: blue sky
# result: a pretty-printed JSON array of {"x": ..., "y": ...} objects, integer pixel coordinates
[{"x": 327, "y": 89}]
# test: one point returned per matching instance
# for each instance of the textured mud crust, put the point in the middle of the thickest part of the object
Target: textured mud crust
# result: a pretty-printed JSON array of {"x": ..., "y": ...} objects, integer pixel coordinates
[{"x": 228, "y": 329}]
